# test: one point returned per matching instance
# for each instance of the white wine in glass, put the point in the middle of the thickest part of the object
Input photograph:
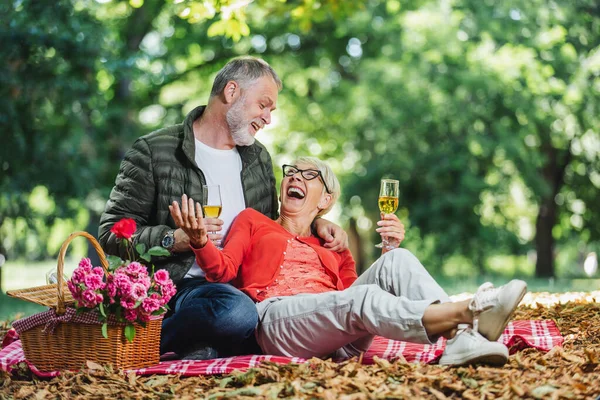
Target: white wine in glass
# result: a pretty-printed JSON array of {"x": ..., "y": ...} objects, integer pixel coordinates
[
  {"x": 388, "y": 201},
  {"x": 211, "y": 201},
  {"x": 212, "y": 211}
]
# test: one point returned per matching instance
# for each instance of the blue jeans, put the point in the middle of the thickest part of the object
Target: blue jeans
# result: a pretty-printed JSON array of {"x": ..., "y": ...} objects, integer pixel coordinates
[{"x": 209, "y": 314}]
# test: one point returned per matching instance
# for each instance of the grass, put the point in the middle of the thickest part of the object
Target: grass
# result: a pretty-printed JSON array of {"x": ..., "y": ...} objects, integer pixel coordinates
[
  {"x": 11, "y": 308},
  {"x": 21, "y": 274}
]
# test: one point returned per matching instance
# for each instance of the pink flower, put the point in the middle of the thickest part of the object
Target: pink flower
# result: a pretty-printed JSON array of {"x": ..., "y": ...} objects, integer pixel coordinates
[
  {"x": 138, "y": 291},
  {"x": 130, "y": 315},
  {"x": 111, "y": 287},
  {"x": 123, "y": 284},
  {"x": 94, "y": 282},
  {"x": 135, "y": 269},
  {"x": 149, "y": 305},
  {"x": 144, "y": 281},
  {"x": 128, "y": 303},
  {"x": 89, "y": 298},
  {"x": 162, "y": 277},
  {"x": 85, "y": 264},
  {"x": 72, "y": 287},
  {"x": 78, "y": 275},
  {"x": 168, "y": 291}
]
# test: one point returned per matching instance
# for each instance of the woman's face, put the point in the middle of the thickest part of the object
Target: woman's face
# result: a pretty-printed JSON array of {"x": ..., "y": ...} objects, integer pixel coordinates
[{"x": 301, "y": 196}]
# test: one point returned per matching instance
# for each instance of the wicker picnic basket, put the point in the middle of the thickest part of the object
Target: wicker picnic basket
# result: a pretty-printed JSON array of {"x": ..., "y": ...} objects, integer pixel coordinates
[{"x": 71, "y": 344}]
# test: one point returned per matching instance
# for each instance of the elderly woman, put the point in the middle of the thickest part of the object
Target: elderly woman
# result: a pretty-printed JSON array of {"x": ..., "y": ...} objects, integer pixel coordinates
[{"x": 311, "y": 302}]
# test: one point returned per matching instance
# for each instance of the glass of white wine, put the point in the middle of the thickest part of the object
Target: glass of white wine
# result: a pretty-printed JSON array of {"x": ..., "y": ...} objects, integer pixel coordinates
[
  {"x": 211, "y": 201},
  {"x": 388, "y": 202}
]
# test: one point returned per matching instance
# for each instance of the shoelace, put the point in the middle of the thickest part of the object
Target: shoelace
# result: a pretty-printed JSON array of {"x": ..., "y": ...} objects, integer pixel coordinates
[{"x": 481, "y": 302}]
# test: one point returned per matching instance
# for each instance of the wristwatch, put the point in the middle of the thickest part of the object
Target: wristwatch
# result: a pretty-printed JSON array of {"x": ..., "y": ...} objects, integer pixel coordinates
[{"x": 168, "y": 241}]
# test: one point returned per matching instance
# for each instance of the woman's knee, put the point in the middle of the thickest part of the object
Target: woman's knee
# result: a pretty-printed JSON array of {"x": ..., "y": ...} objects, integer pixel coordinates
[
  {"x": 399, "y": 255},
  {"x": 404, "y": 259}
]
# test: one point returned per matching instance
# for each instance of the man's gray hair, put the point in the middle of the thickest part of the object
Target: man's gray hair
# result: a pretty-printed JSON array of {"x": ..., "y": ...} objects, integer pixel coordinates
[
  {"x": 328, "y": 176},
  {"x": 245, "y": 71}
]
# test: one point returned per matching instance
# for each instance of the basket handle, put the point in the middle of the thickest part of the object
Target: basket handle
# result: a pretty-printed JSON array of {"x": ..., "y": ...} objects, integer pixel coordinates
[{"x": 60, "y": 304}]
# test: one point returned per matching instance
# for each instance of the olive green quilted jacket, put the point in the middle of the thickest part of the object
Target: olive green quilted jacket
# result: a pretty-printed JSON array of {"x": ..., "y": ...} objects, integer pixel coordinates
[{"x": 156, "y": 171}]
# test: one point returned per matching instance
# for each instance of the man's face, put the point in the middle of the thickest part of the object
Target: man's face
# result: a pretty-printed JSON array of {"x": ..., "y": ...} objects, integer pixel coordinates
[{"x": 252, "y": 110}]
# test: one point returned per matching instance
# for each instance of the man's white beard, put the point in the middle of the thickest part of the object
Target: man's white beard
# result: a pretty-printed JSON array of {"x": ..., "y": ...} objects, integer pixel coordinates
[{"x": 239, "y": 128}]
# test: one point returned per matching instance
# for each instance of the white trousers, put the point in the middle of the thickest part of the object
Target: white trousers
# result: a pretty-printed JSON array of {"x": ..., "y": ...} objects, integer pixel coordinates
[{"x": 388, "y": 300}]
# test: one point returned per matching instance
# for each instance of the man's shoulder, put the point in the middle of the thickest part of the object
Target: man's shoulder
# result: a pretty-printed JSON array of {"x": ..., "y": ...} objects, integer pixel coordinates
[
  {"x": 168, "y": 133},
  {"x": 163, "y": 140},
  {"x": 260, "y": 145},
  {"x": 256, "y": 152}
]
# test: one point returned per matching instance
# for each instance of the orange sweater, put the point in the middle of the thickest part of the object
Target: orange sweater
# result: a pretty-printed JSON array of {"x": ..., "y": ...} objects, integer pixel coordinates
[{"x": 254, "y": 252}]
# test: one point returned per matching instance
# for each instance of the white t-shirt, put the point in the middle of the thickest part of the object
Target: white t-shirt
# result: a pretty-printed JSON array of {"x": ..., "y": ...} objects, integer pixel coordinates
[{"x": 224, "y": 168}]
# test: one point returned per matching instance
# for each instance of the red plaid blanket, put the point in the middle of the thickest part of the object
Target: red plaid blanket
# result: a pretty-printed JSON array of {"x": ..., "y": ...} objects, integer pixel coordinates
[{"x": 542, "y": 335}]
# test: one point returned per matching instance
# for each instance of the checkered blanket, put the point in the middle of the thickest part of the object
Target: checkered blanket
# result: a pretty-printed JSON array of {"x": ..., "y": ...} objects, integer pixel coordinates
[{"x": 542, "y": 335}]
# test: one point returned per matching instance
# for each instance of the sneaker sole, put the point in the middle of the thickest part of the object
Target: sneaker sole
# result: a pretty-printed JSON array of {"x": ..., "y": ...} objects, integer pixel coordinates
[
  {"x": 496, "y": 360},
  {"x": 497, "y": 330}
]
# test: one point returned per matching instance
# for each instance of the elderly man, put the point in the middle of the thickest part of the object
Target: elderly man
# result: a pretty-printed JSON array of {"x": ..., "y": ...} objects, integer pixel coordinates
[{"x": 214, "y": 145}]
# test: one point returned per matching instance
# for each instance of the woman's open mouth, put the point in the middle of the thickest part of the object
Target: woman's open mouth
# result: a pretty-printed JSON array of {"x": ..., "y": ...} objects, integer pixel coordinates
[{"x": 296, "y": 192}]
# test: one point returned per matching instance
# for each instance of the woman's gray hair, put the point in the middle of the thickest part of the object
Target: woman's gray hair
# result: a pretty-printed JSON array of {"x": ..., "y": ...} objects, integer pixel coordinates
[
  {"x": 245, "y": 71},
  {"x": 328, "y": 176}
]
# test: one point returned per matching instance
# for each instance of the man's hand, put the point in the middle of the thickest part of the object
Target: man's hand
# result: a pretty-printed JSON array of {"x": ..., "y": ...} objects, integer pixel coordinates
[
  {"x": 189, "y": 219},
  {"x": 335, "y": 237},
  {"x": 392, "y": 229}
]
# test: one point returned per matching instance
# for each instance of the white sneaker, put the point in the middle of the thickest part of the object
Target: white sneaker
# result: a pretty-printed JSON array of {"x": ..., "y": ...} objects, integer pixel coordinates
[
  {"x": 492, "y": 307},
  {"x": 469, "y": 347}
]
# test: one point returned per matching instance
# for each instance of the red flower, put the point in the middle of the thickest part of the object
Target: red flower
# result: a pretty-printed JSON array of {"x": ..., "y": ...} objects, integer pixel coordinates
[{"x": 124, "y": 229}]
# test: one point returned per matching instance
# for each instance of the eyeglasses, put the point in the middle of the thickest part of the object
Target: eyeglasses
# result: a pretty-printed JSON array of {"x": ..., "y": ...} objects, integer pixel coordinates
[{"x": 308, "y": 174}]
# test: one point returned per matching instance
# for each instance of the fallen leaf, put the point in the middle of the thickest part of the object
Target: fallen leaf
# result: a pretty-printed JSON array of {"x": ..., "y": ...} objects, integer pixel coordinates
[
  {"x": 541, "y": 391},
  {"x": 438, "y": 395},
  {"x": 157, "y": 381},
  {"x": 591, "y": 355},
  {"x": 94, "y": 366},
  {"x": 518, "y": 390},
  {"x": 470, "y": 382}
]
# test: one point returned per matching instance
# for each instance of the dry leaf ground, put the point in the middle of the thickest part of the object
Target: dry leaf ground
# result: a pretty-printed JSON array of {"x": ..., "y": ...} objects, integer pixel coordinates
[{"x": 570, "y": 372}]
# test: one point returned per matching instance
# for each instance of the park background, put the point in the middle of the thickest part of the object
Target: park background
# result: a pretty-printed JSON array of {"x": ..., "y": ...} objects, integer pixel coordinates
[{"x": 487, "y": 112}]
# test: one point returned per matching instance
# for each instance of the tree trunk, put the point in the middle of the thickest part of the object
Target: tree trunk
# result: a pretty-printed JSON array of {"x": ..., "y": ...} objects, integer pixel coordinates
[
  {"x": 356, "y": 245},
  {"x": 544, "y": 241},
  {"x": 553, "y": 174}
]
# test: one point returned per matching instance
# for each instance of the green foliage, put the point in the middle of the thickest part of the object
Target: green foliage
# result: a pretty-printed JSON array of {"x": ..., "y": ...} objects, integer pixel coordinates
[
  {"x": 114, "y": 262},
  {"x": 129, "y": 332},
  {"x": 47, "y": 85},
  {"x": 477, "y": 108},
  {"x": 158, "y": 251},
  {"x": 487, "y": 112}
]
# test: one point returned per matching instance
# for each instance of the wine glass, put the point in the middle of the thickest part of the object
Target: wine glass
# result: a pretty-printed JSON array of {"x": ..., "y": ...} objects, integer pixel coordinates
[
  {"x": 388, "y": 202},
  {"x": 211, "y": 202}
]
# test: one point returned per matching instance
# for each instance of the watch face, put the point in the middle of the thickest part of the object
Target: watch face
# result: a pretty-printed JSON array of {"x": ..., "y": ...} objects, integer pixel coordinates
[{"x": 168, "y": 241}]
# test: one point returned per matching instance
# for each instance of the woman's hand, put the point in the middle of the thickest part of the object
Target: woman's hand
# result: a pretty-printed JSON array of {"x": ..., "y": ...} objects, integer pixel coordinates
[
  {"x": 213, "y": 227},
  {"x": 392, "y": 229},
  {"x": 189, "y": 219}
]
